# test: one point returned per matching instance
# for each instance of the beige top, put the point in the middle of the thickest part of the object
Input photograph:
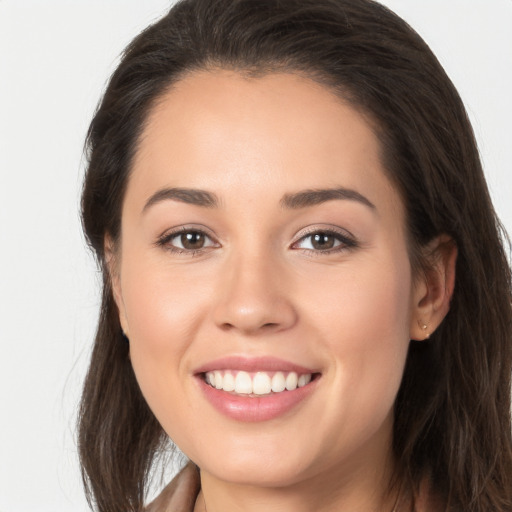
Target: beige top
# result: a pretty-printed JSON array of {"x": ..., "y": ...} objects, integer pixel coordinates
[{"x": 181, "y": 493}]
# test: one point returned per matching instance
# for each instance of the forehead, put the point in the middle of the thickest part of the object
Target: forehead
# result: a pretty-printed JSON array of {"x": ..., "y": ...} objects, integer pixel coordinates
[{"x": 221, "y": 131}]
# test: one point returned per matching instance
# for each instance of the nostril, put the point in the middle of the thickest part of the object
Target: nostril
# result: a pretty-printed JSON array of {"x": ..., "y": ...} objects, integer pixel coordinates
[
  {"x": 250, "y": 314},
  {"x": 226, "y": 326}
]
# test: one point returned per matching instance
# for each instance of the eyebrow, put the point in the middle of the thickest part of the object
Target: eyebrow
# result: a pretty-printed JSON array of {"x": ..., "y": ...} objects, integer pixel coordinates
[
  {"x": 312, "y": 197},
  {"x": 185, "y": 195},
  {"x": 295, "y": 201}
]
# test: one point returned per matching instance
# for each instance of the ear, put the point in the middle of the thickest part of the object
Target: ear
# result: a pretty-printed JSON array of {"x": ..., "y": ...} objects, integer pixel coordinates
[
  {"x": 112, "y": 262},
  {"x": 433, "y": 288}
]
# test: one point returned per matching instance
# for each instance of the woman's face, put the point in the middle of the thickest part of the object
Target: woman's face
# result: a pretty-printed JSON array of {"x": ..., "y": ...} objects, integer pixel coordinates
[{"x": 261, "y": 242}]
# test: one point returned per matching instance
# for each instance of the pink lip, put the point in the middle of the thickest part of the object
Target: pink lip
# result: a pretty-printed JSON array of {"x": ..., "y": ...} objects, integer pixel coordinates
[
  {"x": 253, "y": 364},
  {"x": 251, "y": 408}
]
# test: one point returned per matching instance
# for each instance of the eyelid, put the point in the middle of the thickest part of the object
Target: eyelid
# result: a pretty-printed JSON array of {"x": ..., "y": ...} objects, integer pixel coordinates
[
  {"x": 165, "y": 238},
  {"x": 347, "y": 239}
]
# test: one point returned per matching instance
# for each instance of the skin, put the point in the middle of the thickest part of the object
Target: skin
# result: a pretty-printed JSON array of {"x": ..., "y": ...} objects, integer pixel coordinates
[{"x": 258, "y": 287}]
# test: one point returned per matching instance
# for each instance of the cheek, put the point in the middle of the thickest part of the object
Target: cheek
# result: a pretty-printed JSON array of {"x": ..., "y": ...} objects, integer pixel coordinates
[
  {"x": 364, "y": 318},
  {"x": 379, "y": 308},
  {"x": 365, "y": 303},
  {"x": 373, "y": 356},
  {"x": 163, "y": 313},
  {"x": 161, "y": 305}
]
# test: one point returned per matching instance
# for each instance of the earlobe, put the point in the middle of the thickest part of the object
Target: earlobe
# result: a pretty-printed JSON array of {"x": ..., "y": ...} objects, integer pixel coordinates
[
  {"x": 434, "y": 289},
  {"x": 112, "y": 264}
]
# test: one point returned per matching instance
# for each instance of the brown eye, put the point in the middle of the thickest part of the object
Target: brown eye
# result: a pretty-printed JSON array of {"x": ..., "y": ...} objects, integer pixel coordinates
[
  {"x": 322, "y": 241},
  {"x": 187, "y": 241},
  {"x": 325, "y": 242},
  {"x": 192, "y": 240}
]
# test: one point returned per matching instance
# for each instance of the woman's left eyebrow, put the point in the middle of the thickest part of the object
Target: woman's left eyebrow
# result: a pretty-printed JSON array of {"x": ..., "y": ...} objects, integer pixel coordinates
[{"x": 312, "y": 197}]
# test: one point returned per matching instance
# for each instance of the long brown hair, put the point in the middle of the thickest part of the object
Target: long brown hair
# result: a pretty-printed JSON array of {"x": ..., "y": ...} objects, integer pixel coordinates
[{"x": 453, "y": 418}]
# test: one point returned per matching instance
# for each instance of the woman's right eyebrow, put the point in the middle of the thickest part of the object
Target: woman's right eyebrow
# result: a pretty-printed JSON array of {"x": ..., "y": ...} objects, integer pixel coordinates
[{"x": 185, "y": 195}]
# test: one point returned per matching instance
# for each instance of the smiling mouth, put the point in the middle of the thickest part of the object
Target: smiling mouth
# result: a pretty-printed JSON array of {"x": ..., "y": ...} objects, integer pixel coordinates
[{"x": 257, "y": 384}]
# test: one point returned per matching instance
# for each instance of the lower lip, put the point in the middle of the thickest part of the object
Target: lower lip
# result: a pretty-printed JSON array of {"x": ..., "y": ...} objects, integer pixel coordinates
[{"x": 252, "y": 408}]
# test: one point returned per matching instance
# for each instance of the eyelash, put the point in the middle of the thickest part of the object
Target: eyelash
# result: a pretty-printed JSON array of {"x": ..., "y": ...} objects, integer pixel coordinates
[
  {"x": 346, "y": 241},
  {"x": 165, "y": 241}
]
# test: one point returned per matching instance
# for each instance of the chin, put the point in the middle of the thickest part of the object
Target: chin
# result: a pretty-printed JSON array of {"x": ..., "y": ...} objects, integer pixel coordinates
[
  {"x": 257, "y": 474},
  {"x": 256, "y": 465}
]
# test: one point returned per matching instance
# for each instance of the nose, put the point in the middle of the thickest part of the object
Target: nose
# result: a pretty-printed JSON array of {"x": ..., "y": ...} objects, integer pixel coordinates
[{"x": 254, "y": 297}]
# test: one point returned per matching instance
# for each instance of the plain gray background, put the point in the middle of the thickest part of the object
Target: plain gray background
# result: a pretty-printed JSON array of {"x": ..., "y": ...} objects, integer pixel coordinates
[{"x": 55, "y": 57}]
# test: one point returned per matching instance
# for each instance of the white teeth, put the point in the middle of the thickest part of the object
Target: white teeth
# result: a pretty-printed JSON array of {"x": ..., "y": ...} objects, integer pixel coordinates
[
  {"x": 243, "y": 383},
  {"x": 291, "y": 381},
  {"x": 278, "y": 382},
  {"x": 303, "y": 380},
  {"x": 218, "y": 380},
  {"x": 260, "y": 383},
  {"x": 229, "y": 382}
]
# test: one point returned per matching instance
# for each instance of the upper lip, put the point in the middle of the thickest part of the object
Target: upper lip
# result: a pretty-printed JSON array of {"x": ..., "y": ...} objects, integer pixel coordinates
[{"x": 253, "y": 364}]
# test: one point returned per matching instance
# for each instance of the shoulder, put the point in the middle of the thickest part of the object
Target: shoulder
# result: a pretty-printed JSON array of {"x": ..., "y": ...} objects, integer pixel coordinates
[{"x": 180, "y": 494}]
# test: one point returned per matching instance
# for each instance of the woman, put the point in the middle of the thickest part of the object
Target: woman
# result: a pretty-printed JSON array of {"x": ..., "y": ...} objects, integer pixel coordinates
[{"x": 305, "y": 285}]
